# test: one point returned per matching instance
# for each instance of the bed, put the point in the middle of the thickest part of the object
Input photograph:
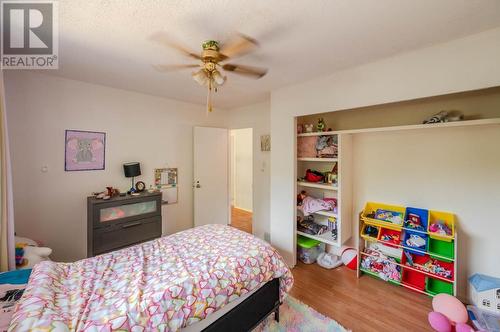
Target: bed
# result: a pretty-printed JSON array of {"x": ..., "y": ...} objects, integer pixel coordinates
[{"x": 211, "y": 278}]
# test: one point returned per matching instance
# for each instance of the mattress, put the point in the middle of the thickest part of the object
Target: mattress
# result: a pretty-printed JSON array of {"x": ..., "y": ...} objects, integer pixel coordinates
[{"x": 165, "y": 284}]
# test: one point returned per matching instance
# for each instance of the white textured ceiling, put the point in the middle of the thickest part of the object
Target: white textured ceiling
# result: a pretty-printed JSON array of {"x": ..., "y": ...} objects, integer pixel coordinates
[{"x": 106, "y": 41}]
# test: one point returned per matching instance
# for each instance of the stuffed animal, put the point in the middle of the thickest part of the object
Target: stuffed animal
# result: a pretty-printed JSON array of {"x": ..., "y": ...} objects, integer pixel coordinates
[
  {"x": 28, "y": 253},
  {"x": 449, "y": 314}
]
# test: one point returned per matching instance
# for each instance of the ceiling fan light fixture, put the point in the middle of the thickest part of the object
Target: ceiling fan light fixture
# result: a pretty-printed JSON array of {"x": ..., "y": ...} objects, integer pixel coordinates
[
  {"x": 218, "y": 78},
  {"x": 200, "y": 77}
]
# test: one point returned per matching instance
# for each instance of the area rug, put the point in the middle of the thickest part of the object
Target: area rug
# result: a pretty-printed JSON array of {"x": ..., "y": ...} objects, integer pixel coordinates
[{"x": 296, "y": 316}]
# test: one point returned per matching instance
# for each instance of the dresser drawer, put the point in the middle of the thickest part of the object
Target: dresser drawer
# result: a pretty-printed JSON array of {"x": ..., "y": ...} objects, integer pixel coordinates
[{"x": 125, "y": 234}]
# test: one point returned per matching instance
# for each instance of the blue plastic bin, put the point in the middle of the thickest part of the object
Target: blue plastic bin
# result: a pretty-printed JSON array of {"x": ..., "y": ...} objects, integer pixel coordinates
[
  {"x": 421, "y": 250},
  {"x": 422, "y": 213}
]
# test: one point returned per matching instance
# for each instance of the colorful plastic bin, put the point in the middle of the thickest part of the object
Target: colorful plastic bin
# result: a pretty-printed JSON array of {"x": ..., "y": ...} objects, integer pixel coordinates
[
  {"x": 372, "y": 207},
  {"x": 447, "y": 218},
  {"x": 413, "y": 279},
  {"x": 415, "y": 250},
  {"x": 390, "y": 232},
  {"x": 435, "y": 286},
  {"x": 422, "y": 213},
  {"x": 442, "y": 250},
  {"x": 308, "y": 249},
  {"x": 368, "y": 237}
]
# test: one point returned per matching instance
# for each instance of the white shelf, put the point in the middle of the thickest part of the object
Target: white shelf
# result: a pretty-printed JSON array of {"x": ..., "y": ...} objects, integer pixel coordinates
[
  {"x": 328, "y": 160},
  {"x": 323, "y": 213},
  {"x": 323, "y": 133},
  {"x": 325, "y": 238},
  {"x": 317, "y": 185},
  {"x": 466, "y": 123}
]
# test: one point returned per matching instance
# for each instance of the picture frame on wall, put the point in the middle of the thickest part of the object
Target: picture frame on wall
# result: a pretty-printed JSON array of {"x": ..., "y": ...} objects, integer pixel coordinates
[
  {"x": 265, "y": 143},
  {"x": 84, "y": 150}
]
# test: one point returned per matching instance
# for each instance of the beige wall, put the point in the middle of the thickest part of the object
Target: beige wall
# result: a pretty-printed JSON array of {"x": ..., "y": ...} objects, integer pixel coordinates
[
  {"x": 51, "y": 206},
  {"x": 461, "y": 65}
]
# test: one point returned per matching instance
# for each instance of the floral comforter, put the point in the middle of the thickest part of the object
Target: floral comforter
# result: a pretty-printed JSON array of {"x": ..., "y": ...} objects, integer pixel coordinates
[{"x": 164, "y": 284}]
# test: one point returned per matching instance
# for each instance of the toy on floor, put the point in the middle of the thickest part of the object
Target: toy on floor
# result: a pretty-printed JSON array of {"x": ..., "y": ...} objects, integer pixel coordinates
[
  {"x": 440, "y": 227},
  {"x": 349, "y": 257},
  {"x": 448, "y": 312},
  {"x": 28, "y": 253},
  {"x": 328, "y": 260}
]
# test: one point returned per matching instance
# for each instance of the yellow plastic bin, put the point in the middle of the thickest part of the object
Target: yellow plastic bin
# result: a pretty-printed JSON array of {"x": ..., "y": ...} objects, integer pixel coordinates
[
  {"x": 371, "y": 208},
  {"x": 446, "y": 218},
  {"x": 366, "y": 236}
]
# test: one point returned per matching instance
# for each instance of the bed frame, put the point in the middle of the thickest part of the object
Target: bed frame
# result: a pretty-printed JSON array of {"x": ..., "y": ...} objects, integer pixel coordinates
[{"x": 252, "y": 311}]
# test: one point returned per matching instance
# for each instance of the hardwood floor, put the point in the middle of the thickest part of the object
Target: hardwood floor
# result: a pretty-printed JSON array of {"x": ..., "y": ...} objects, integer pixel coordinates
[
  {"x": 241, "y": 219},
  {"x": 364, "y": 304}
]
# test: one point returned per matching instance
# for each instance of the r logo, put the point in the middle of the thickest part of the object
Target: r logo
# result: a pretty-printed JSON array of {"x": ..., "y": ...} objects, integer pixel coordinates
[{"x": 27, "y": 28}]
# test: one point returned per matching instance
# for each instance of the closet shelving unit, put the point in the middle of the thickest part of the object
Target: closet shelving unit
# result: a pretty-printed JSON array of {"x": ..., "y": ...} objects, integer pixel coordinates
[{"x": 341, "y": 190}]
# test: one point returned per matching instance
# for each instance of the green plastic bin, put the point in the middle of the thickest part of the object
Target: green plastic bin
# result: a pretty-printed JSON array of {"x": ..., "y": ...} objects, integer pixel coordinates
[{"x": 442, "y": 249}]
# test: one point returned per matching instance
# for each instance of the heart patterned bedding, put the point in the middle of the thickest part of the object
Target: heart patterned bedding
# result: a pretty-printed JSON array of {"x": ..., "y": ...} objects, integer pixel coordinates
[{"x": 165, "y": 284}]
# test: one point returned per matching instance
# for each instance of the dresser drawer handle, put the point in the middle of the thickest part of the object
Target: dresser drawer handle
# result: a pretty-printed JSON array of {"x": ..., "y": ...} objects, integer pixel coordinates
[{"x": 132, "y": 225}]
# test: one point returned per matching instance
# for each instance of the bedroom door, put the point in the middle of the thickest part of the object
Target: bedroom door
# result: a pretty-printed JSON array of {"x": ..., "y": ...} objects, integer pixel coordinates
[{"x": 211, "y": 185}]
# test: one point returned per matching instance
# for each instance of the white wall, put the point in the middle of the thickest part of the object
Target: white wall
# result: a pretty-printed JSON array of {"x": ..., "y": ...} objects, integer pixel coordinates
[
  {"x": 465, "y": 64},
  {"x": 242, "y": 170},
  {"x": 257, "y": 117},
  {"x": 51, "y": 206}
]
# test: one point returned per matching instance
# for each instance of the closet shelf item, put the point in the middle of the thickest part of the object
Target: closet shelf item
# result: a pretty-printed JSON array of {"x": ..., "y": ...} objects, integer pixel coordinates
[{"x": 324, "y": 213}]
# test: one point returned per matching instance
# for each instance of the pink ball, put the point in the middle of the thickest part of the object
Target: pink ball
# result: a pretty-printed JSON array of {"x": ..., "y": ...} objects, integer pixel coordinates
[
  {"x": 461, "y": 327},
  {"x": 439, "y": 322},
  {"x": 451, "y": 307}
]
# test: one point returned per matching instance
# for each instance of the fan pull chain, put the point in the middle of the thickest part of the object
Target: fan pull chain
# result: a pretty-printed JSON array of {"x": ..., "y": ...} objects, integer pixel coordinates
[{"x": 209, "y": 98}]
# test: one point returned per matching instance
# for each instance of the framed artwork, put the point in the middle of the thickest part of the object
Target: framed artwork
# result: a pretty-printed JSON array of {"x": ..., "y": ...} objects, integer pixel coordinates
[
  {"x": 84, "y": 150},
  {"x": 265, "y": 143},
  {"x": 165, "y": 177}
]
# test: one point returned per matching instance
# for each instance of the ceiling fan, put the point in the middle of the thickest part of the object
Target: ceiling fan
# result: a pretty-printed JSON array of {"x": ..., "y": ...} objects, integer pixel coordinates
[{"x": 213, "y": 57}]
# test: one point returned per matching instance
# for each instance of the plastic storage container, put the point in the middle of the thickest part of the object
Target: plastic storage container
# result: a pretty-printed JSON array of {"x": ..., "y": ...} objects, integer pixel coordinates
[
  {"x": 371, "y": 208},
  {"x": 436, "y": 217},
  {"x": 417, "y": 250},
  {"x": 370, "y": 237},
  {"x": 414, "y": 279},
  {"x": 442, "y": 250},
  {"x": 436, "y": 286},
  {"x": 308, "y": 249},
  {"x": 390, "y": 237},
  {"x": 422, "y": 214}
]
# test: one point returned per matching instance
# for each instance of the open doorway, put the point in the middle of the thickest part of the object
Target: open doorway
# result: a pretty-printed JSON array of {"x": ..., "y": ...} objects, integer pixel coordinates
[{"x": 241, "y": 178}]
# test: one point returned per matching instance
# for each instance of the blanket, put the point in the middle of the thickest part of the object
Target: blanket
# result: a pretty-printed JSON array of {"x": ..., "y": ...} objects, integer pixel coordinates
[{"x": 161, "y": 285}]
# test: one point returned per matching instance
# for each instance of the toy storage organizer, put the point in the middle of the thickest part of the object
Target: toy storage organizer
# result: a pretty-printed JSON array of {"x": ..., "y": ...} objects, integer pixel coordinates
[
  {"x": 411, "y": 247},
  {"x": 328, "y": 157}
]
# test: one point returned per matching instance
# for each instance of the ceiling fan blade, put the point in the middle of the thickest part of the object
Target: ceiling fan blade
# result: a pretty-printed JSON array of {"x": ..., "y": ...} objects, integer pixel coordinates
[
  {"x": 165, "y": 68},
  {"x": 255, "y": 72},
  {"x": 164, "y": 39},
  {"x": 238, "y": 46}
]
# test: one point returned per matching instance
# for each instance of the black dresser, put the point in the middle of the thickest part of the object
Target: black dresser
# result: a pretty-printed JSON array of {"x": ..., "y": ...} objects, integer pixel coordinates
[{"x": 122, "y": 221}]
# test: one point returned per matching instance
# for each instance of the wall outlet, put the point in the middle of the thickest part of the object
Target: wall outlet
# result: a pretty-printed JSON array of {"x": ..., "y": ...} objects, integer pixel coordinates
[{"x": 267, "y": 237}]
